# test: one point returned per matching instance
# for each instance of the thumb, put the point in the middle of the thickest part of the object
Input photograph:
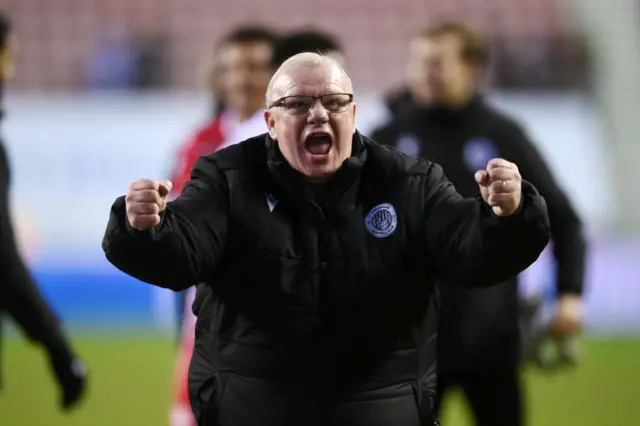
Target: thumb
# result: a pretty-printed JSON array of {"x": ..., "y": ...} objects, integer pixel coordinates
[
  {"x": 482, "y": 177},
  {"x": 165, "y": 187}
]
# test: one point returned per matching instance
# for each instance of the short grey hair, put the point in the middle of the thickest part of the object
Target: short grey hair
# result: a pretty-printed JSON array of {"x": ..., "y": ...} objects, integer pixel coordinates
[{"x": 305, "y": 59}]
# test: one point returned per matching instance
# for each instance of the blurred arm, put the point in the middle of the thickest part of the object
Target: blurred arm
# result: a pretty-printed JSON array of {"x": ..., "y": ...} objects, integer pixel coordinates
[
  {"x": 185, "y": 247},
  {"x": 19, "y": 295},
  {"x": 471, "y": 246},
  {"x": 569, "y": 245}
]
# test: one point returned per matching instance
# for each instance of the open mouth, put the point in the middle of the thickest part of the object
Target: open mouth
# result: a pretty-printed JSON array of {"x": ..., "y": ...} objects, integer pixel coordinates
[{"x": 318, "y": 143}]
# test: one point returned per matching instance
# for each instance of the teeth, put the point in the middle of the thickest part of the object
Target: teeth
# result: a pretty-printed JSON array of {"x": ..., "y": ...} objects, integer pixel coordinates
[{"x": 318, "y": 136}]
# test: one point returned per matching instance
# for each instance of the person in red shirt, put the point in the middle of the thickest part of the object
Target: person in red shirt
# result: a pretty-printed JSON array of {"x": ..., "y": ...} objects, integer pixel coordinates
[{"x": 238, "y": 79}]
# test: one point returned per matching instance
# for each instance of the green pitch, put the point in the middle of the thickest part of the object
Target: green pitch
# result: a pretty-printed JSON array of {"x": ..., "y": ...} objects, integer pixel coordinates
[{"x": 131, "y": 379}]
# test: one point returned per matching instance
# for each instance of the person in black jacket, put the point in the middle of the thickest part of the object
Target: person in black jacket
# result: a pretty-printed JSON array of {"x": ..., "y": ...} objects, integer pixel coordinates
[
  {"x": 19, "y": 296},
  {"x": 307, "y": 40},
  {"x": 316, "y": 249},
  {"x": 442, "y": 117}
]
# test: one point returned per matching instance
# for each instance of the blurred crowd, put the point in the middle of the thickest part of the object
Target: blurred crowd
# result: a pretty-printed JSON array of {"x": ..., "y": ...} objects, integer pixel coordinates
[{"x": 161, "y": 44}]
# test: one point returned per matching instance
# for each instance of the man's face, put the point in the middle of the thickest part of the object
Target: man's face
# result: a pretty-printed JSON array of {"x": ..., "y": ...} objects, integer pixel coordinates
[
  {"x": 214, "y": 80},
  {"x": 436, "y": 71},
  {"x": 7, "y": 59},
  {"x": 245, "y": 71},
  {"x": 316, "y": 143}
]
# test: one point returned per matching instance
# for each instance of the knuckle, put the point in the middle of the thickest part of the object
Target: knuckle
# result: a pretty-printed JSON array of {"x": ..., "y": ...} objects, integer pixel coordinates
[
  {"x": 150, "y": 195},
  {"x": 143, "y": 195}
]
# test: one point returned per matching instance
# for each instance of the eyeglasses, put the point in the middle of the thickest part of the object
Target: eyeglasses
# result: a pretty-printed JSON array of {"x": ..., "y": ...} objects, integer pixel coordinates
[{"x": 301, "y": 105}]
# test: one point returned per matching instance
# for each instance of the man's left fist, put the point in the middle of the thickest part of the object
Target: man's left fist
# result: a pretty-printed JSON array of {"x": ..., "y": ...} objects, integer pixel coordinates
[{"x": 500, "y": 186}]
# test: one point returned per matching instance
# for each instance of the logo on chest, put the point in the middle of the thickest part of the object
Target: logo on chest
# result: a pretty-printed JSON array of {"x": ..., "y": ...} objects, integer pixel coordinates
[
  {"x": 477, "y": 152},
  {"x": 381, "y": 221}
]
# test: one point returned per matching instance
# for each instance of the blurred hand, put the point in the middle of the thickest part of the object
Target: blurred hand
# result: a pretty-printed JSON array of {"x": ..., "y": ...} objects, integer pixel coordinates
[
  {"x": 145, "y": 200},
  {"x": 71, "y": 376},
  {"x": 569, "y": 317},
  {"x": 500, "y": 186}
]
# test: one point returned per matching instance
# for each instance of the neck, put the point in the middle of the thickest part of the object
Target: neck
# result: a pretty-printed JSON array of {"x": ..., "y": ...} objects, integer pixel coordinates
[
  {"x": 244, "y": 115},
  {"x": 458, "y": 101},
  {"x": 452, "y": 102},
  {"x": 319, "y": 180},
  {"x": 1, "y": 98}
]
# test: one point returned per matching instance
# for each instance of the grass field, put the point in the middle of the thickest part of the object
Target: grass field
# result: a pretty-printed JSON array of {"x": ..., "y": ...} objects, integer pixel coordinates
[{"x": 130, "y": 386}]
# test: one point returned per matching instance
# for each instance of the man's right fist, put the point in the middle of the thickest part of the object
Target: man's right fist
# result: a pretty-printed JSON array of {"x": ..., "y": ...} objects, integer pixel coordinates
[{"x": 145, "y": 200}]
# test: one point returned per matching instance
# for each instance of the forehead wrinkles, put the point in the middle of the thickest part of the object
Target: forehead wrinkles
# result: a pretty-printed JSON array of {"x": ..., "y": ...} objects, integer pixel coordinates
[{"x": 312, "y": 81}]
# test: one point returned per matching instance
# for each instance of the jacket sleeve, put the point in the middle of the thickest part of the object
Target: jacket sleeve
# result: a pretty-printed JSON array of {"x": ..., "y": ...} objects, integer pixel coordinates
[
  {"x": 185, "y": 247},
  {"x": 569, "y": 245},
  {"x": 471, "y": 246}
]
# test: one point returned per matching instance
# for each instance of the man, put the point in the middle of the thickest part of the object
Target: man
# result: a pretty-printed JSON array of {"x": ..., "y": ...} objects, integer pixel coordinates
[
  {"x": 443, "y": 118},
  {"x": 315, "y": 250},
  {"x": 237, "y": 82},
  {"x": 307, "y": 41},
  {"x": 19, "y": 296}
]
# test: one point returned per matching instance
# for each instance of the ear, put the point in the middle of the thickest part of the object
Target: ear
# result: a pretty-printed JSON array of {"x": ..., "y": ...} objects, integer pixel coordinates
[
  {"x": 271, "y": 124},
  {"x": 353, "y": 114}
]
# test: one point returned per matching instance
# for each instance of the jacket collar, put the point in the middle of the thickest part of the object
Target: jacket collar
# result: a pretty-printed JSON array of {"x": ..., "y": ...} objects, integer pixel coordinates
[{"x": 342, "y": 187}]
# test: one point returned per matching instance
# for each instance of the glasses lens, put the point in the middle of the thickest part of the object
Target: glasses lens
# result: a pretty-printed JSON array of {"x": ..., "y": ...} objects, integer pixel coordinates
[
  {"x": 336, "y": 103},
  {"x": 300, "y": 105}
]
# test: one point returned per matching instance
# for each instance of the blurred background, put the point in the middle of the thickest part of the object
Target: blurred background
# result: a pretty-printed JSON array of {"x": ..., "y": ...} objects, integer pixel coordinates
[{"x": 107, "y": 89}]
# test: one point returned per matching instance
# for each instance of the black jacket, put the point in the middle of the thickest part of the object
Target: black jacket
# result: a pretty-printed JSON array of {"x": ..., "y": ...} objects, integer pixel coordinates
[
  {"x": 318, "y": 301},
  {"x": 462, "y": 142}
]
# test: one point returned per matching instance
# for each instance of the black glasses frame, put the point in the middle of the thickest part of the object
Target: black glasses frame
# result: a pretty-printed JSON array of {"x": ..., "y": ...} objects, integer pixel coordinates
[{"x": 280, "y": 103}]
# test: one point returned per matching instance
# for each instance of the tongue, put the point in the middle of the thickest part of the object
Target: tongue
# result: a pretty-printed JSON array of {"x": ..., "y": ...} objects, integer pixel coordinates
[{"x": 319, "y": 146}]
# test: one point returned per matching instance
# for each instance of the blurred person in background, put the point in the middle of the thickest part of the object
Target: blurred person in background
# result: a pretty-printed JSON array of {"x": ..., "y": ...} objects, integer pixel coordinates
[
  {"x": 19, "y": 295},
  {"x": 113, "y": 61},
  {"x": 308, "y": 40},
  {"x": 314, "y": 252},
  {"x": 214, "y": 85},
  {"x": 237, "y": 80},
  {"x": 442, "y": 117}
]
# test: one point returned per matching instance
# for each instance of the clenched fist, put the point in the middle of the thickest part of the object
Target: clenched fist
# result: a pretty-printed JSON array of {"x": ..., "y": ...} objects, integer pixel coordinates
[
  {"x": 145, "y": 200},
  {"x": 500, "y": 186}
]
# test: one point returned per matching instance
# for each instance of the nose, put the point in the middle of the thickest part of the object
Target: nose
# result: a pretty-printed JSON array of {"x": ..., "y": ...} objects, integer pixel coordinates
[{"x": 317, "y": 113}]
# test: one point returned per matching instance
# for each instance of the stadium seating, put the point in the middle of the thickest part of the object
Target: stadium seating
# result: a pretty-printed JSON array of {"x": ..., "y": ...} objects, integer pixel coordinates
[{"x": 58, "y": 37}]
